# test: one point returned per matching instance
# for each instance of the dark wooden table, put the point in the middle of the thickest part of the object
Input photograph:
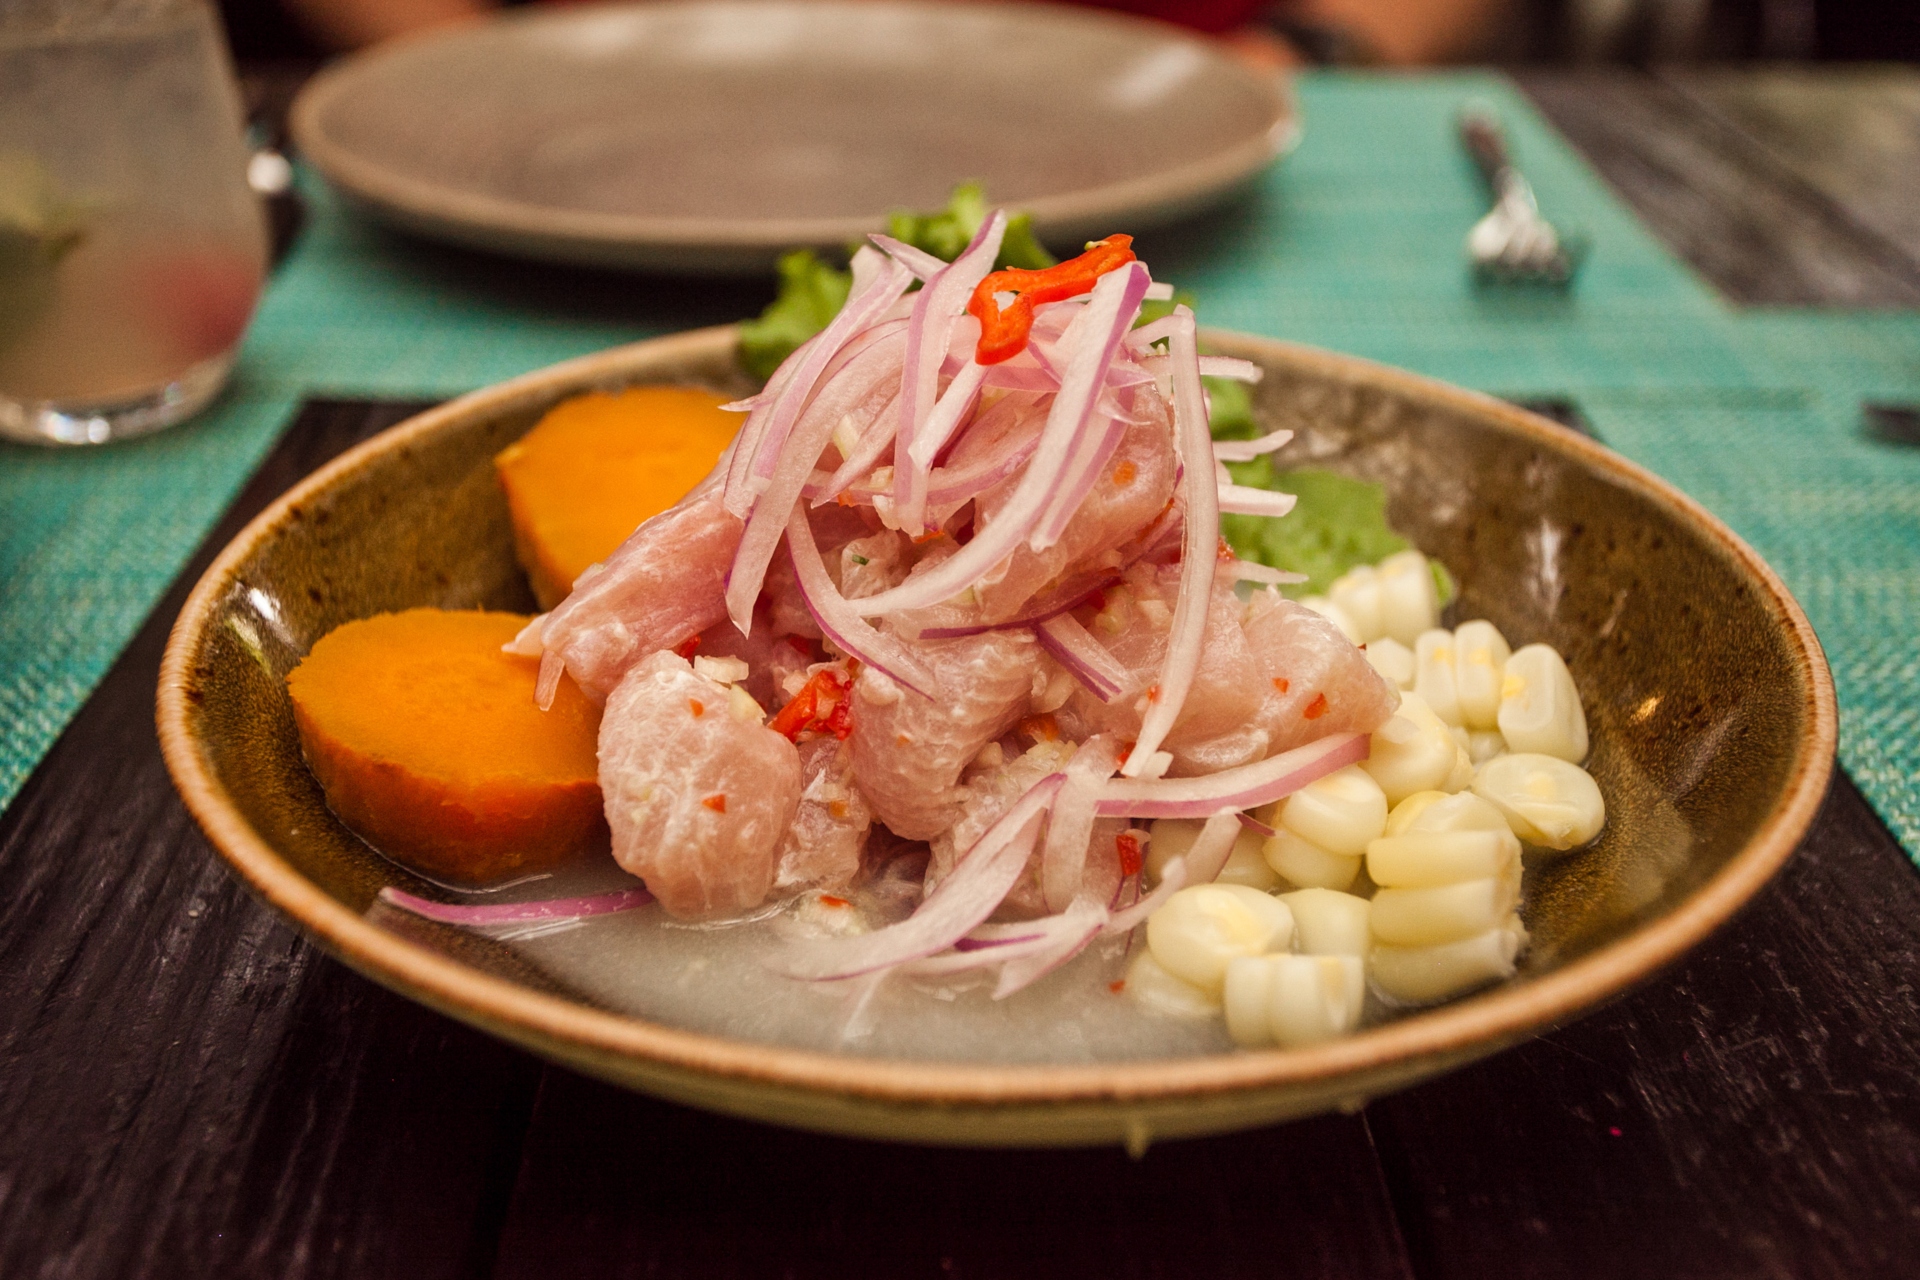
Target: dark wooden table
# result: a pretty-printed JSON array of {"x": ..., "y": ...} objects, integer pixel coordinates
[{"x": 189, "y": 1089}]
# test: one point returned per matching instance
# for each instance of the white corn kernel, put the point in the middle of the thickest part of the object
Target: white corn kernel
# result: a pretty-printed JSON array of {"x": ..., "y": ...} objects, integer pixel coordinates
[
  {"x": 1433, "y": 674},
  {"x": 1409, "y": 601},
  {"x": 1422, "y": 975},
  {"x": 1480, "y": 656},
  {"x": 1340, "y": 812},
  {"x": 1329, "y": 923},
  {"x": 1301, "y": 862},
  {"x": 1443, "y": 913},
  {"x": 1407, "y": 811},
  {"x": 1430, "y": 858},
  {"x": 1335, "y": 614},
  {"x": 1393, "y": 660},
  {"x": 1462, "y": 812},
  {"x": 1150, "y": 984},
  {"x": 1412, "y": 751},
  {"x": 1172, "y": 838},
  {"x": 1356, "y": 593},
  {"x": 1201, "y": 928},
  {"x": 1545, "y": 800},
  {"x": 1294, "y": 1000},
  {"x": 1460, "y": 777},
  {"x": 1484, "y": 744},
  {"x": 1540, "y": 706}
]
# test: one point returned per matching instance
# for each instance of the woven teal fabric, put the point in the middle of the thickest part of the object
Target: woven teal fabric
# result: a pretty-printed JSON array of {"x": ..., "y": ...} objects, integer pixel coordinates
[{"x": 1353, "y": 243}]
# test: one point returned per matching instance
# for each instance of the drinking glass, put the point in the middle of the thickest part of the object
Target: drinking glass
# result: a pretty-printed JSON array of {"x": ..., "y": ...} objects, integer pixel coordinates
[{"x": 131, "y": 249}]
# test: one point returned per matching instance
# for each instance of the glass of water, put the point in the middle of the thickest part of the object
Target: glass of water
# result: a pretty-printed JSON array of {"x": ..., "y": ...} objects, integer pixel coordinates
[{"x": 131, "y": 248}]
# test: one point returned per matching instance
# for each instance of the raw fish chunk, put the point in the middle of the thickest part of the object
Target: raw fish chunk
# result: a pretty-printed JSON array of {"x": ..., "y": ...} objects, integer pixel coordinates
[
  {"x": 665, "y": 584},
  {"x": 908, "y": 750},
  {"x": 986, "y": 795},
  {"x": 699, "y": 797},
  {"x": 1317, "y": 682},
  {"x": 822, "y": 848},
  {"x": 1135, "y": 485}
]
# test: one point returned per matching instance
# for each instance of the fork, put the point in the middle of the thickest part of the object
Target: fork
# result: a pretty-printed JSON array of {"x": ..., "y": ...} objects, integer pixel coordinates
[{"x": 1512, "y": 244}]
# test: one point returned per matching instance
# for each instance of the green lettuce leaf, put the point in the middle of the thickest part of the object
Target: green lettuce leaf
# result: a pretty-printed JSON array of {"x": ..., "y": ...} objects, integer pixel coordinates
[
  {"x": 1338, "y": 523},
  {"x": 811, "y": 294}
]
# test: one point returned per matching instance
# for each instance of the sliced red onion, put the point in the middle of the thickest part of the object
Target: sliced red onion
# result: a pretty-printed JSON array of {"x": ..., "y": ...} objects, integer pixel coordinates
[
  {"x": 959, "y": 903},
  {"x": 1234, "y": 370},
  {"x": 1248, "y": 571},
  {"x": 1247, "y": 786},
  {"x": 1063, "y": 858},
  {"x": 935, "y": 308},
  {"x": 598, "y": 904},
  {"x": 1082, "y": 472},
  {"x": 866, "y": 265},
  {"x": 1193, "y": 444},
  {"x": 924, "y": 265},
  {"x": 1240, "y": 499},
  {"x": 949, "y": 411},
  {"x": 838, "y": 621},
  {"x": 753, "y": 465},
  {"x": 863, "y": 379},
  {"x": 1151, "y": 332},
  {"x": 747, "y": 405},
  {"x": 1115, "y": 300},
  {"x": 1256, "y": 826},
  {"x": 873, "y": 445},
  {"x": 1248, "y": 450},
  {"x": 1074, "y": 647},
  {"x": 1159, "y": 291},
  {"x": 1008, "y": 376},
  {"x": 1077, "y": 926}
]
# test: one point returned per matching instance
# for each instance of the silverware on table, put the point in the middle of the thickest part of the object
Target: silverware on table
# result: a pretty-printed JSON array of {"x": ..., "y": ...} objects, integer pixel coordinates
[{"x": 1513, "y": 244}]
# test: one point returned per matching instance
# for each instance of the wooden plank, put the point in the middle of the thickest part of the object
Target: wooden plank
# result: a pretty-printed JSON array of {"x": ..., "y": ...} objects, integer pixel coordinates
[
  {"x": 615, "y": 1185},
  {"x": 187, "y": 1087},
  {"x": 1850, "y": 133},
  {"x": 1744, "y": 221},
  {"x": 1755, "y": 1112}
]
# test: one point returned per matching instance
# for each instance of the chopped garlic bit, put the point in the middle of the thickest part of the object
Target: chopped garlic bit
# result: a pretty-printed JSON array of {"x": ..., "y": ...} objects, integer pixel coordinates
[
  {"x": 742, "y": 706},
  {"x": 720, "y": 670}
]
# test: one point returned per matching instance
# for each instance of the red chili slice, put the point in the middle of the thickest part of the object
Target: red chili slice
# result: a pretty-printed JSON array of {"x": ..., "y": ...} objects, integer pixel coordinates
[{"x": 1004, "y": 334}]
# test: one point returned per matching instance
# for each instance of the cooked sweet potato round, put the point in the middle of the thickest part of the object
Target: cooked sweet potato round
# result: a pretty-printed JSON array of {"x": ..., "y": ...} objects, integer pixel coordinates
[
  {"x": 596, "y": 466},
  {"x": 428, "y": 744}
]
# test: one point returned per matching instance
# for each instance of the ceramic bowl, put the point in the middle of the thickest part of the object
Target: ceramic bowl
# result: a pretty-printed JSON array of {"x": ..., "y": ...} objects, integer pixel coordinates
[
  {"x": 1711, "y": 708},
  {"x": 706, "y": 135}
]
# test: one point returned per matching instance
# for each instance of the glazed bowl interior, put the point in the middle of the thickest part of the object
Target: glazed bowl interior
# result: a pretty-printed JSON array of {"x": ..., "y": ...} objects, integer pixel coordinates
[{"x": 1710, "y": 707}]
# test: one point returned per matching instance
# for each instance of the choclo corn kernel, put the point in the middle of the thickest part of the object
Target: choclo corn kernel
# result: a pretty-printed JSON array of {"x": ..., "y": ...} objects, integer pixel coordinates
[
  {"x": 1433, "y": 674},
  {"x": 1293, "y": 1000},
  {"x": 1480, "y": 656},
  {"x": 1422, "y": 975},
  {"x": 1201, "y": 928},
  {"x": 1329, "y": 923},
  {"x": 1545, "y": 800},
  {"x": 1540, "y": 706},
  {"x": 1409, "y": 601},
  {"x": 1412, "y": 751},
  {"x": 1340, "y": 812},
  {"x": 1434, "y": 914},
  {"x": 1393, "y": 660},
  {"x": 1300, "y": 861},
  {"x": 1150, "y": 984},
  {"x": 1356, "y": 593}
]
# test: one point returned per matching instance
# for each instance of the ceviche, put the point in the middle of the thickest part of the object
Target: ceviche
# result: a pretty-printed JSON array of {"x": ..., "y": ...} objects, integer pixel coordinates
[{"x": 944, "y": 679}]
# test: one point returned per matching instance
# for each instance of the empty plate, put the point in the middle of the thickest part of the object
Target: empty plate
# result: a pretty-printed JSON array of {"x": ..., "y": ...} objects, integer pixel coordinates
[{"x": 707, "y": 136}]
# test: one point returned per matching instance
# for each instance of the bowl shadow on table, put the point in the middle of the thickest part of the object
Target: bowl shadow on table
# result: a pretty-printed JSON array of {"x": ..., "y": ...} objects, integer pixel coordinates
[{"x": 1697, "y": 714}]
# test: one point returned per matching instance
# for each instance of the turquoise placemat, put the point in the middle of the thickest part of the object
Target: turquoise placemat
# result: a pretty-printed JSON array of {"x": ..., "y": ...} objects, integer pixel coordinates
[{"x": 1353, "y": 243}]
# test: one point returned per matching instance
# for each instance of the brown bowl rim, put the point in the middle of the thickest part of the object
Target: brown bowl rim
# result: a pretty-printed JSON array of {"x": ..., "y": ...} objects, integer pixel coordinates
[
  {"x": 1487, "y": 1020},
  {"x": 581, "y": 235}
]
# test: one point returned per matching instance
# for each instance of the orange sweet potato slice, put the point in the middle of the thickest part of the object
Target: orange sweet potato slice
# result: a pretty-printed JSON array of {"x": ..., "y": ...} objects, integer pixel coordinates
[
  {"x": 596, "y": 466},
  {"x": 428, "y": 744}
]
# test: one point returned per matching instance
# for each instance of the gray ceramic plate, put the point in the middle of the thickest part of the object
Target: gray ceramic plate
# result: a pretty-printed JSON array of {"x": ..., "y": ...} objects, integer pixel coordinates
[
  {"x": 710, "y": 136},
  {"x": 1711, "y": 707}
]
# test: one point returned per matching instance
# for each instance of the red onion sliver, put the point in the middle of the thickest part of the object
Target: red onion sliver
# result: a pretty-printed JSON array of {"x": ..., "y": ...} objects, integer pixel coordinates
[
  {"x": 1256, "y": 826},
  {"x": 1201, "y": 864},
  {"x": 1248, "y": 450},
  {"x": 847, "y": 629},
  {"x": 1078, "y": 925},
  {"x": 985, "y": 874},
  {"x": 1245, "y": 787},
  {"x": 598, "y": 904},
  {"x": 1230, "y": 368},
  {"x": 935, "y": 309},
  {"x": 1076, "y": 650},
  {"x": 1115, "y": 300},
  {"x": 1063, "y": 858},
  {"x": 1249, "y": 571},
  {"x": 923, "y": 264},
  {"x": 1193, "y": 443},
  {"x": 1239, "y": 499}
]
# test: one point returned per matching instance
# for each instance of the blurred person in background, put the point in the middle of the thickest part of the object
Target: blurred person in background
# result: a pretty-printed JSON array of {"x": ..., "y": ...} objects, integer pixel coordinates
[{"x": 1384, "y": 32}]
